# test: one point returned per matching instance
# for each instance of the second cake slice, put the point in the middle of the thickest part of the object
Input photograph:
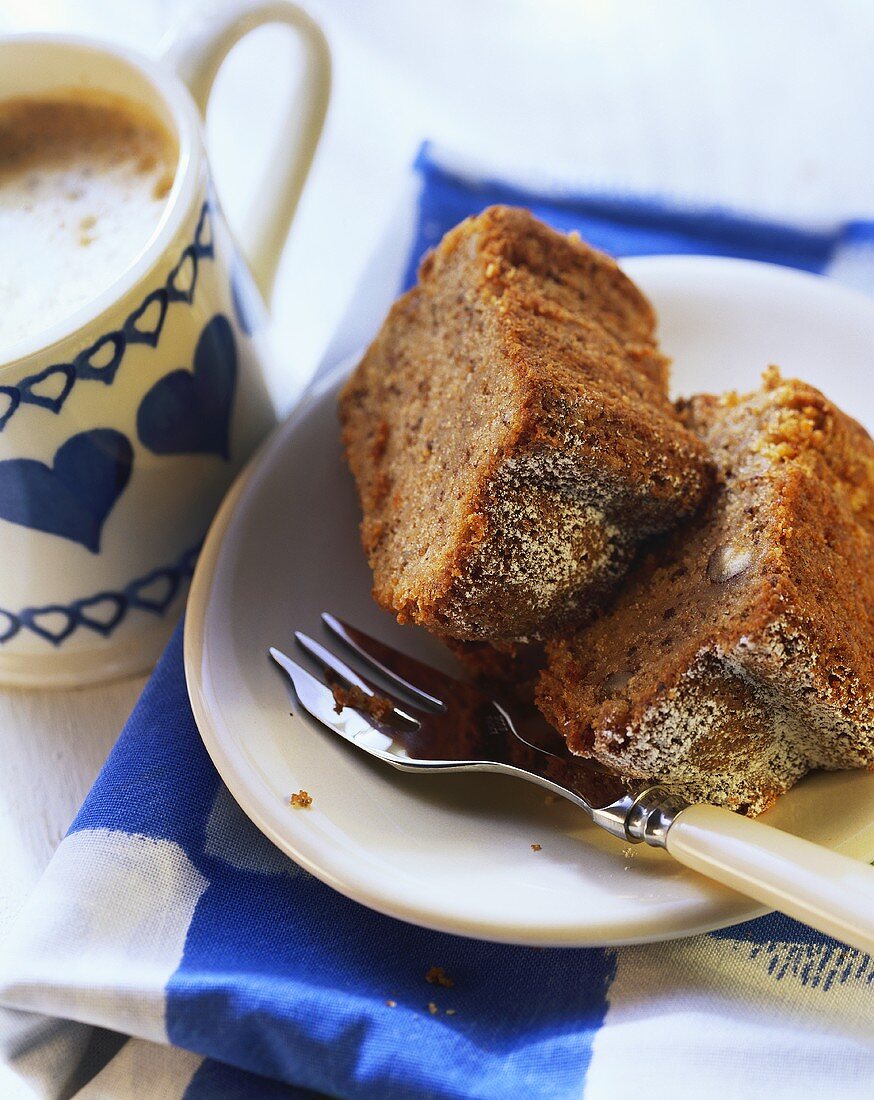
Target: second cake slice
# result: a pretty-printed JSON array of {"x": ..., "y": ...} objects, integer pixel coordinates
[
  {"x": 511, "y": 436},
  {"x": 739, "y": 656}
]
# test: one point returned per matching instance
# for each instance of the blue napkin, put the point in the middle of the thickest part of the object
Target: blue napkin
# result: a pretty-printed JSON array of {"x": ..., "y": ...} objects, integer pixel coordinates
[{"x": 167, "y": 916}]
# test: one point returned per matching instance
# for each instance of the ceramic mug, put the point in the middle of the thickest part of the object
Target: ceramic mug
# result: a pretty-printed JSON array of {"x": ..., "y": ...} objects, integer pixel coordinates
[{"x": 122, "y": 425}]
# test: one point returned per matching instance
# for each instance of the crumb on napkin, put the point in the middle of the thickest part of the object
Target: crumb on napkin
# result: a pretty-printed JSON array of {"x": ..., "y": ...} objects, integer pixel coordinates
[{"x": 438, "y": 976}]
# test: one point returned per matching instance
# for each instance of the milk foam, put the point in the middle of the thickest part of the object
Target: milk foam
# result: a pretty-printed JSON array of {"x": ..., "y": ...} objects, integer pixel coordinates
[{"x": 83, "y": 186}]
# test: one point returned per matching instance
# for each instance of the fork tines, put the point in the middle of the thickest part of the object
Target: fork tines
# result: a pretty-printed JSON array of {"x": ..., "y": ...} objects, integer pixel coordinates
[
  {"x": 338, "y": 672},
  {"x": 421, "y": 681}
]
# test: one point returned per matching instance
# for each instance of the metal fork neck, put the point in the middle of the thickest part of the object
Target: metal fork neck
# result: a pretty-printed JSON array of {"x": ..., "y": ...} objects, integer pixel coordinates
[{"x": 645, "y": 817}]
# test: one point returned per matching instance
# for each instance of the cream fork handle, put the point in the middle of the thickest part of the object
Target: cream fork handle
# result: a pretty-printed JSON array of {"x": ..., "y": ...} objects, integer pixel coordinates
[{"x": 829, "y": 891}]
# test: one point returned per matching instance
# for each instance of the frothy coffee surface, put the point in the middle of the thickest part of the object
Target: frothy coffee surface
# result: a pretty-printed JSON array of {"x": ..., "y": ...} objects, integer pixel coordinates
[{"x": 83, "y": 185}]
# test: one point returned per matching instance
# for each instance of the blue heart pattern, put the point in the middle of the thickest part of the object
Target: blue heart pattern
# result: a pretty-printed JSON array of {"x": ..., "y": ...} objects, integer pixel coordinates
[
  {"x": 62, "y": 373},
  {"x": 73, "y": 497},
  {"x": 145, "y": 324},
  {"x": 190, "y": 413},
  {"x": 103, "y": 612},
  {"x": 101, "y": 362}
]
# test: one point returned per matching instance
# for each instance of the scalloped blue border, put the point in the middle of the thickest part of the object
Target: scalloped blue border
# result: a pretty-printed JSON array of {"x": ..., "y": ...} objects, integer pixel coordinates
[
  {"x": 100, "y": 362},
  {"x": 133, "y": 597}
]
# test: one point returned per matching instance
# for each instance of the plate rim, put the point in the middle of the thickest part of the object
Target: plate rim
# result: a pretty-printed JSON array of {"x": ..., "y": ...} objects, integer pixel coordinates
[{"x": 234, "y": 773}]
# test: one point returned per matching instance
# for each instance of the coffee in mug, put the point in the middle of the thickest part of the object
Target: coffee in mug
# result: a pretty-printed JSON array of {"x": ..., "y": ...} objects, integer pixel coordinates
[
  {"x": 132, "y": 337},
  {"x": 83, "y": 187}
]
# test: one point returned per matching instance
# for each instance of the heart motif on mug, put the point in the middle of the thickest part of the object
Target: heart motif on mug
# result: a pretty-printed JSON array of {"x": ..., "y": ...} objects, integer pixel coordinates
[
  {"x": 185, "y": 413},
  {"x": 144, "y": 324},
  {"x": 101, "y": 361},
  {"x": 102, "y": 612},
  {"x": 182, "y": 280},
  {"x": 50, "y": 388},
  {"x": 73, "y": 497},
  {"x": 54, "y": 623},
  {"x": 156, "y": 591}
]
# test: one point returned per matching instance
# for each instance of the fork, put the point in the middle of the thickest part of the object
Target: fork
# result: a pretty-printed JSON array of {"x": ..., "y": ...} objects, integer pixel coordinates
[{"x": 454, "y": 726}]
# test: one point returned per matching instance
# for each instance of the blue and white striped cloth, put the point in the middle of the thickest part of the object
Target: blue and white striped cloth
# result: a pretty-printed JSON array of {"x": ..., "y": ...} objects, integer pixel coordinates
[{"x": 167, "y": 917}]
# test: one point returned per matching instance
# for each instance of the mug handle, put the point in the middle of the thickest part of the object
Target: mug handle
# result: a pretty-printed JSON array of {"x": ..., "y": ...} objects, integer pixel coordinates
[{"x": 197, "y": 55}]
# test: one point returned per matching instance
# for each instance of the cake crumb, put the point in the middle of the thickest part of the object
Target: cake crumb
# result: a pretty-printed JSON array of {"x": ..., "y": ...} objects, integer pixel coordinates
[
  {"x": 536, "y": 847},
  {"x": 771, "y": 377},
  {"x": 432, "y": 1008},
  {"x": 450, "y": 1011},
  {"x": 629, "y": 852},
  {"x": 373, "y": 706},
  {"x": 302, "y": 800},
  {"x": 438, "y": 976},
  {"x": 391, "y": 1004}
]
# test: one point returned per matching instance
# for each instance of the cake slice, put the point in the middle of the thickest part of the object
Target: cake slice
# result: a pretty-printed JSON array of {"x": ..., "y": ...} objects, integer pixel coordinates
[
  {"x": 510, "y": 434},
  {"x": 741, "y": 655}
]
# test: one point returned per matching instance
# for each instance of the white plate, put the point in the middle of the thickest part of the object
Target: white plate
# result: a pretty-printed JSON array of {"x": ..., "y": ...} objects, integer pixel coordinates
[{"x": 454, "y": 852}]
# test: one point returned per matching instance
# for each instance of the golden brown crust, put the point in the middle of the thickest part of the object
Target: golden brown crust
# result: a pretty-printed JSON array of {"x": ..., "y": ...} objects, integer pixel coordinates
[
  {"x": 739, "y": 655},
  {"x": 510, "y": 434}
]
